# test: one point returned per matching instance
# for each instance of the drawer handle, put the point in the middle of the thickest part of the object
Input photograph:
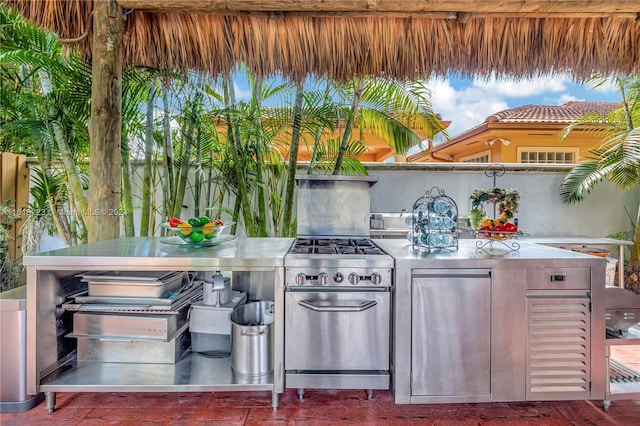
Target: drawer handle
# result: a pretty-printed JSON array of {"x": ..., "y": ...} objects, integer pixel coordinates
[
  {"x": 558, "y": 278},
  {"x": 362, "y": 306},
  {"x": 117, "y": 339}
]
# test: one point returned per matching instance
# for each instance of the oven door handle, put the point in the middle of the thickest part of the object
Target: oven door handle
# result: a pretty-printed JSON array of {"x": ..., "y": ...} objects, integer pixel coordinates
[{"x": 358, "y": 306}]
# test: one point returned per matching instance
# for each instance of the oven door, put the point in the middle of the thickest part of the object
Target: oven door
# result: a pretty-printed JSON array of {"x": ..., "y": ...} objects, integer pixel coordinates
[{"x": 337, "y": 330}]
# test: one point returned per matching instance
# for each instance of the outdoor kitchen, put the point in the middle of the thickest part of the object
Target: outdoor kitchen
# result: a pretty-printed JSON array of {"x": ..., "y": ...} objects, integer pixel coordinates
[
  {"x": 320, "y": 212},
  {"x": 433, "y": 317}
]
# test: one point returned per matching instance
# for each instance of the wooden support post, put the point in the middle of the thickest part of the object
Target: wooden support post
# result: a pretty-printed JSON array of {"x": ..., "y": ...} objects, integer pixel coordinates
[
  {"x": 102, "y": 219},
  {"x": 14, "y": 188}
]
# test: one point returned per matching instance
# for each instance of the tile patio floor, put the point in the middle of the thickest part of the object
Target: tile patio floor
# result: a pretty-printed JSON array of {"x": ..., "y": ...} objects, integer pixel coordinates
[{"x": 320, "y": 407}]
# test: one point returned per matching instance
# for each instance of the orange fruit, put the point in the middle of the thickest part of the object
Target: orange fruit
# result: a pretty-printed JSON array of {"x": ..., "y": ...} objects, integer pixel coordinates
[
  {"x": 209, "y": 228},
  {"x": 186, "y": 226}
]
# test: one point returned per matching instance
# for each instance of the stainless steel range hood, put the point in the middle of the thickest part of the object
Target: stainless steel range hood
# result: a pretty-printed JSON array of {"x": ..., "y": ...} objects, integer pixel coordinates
[{"x": 334, "y": 205}]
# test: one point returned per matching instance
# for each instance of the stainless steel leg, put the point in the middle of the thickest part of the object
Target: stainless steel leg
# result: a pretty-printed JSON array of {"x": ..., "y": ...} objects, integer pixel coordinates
[
  {"x": 274, "y": 400},
  {"x": 621, "y": 266},
  {"x": 300, "y": 394},
  {"x": 50, "y": 401},
  {"x": 369, "y": 394}
]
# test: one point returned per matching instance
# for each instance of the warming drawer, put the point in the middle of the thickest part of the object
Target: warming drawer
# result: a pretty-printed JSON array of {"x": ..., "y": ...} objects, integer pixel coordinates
[{"x": 559, "y": 278}]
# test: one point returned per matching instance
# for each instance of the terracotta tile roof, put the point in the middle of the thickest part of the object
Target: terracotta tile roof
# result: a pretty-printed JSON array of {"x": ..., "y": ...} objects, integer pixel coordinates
[
  {"x": 564, "y": 113},
  {"x": 560, "y": 114}
]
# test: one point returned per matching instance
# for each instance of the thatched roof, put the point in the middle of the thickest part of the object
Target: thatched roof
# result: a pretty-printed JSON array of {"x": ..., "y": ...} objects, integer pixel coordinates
[{"x": 340, "y": 39}]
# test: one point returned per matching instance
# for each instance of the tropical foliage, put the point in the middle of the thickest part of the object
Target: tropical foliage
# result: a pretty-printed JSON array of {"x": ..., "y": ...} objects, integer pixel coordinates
[
  {"x": 47, "y": 115},
  {"x": 617, "y": 158},
  {"x": 189, "y": 142},
  {"x": 10, "y": 269}
]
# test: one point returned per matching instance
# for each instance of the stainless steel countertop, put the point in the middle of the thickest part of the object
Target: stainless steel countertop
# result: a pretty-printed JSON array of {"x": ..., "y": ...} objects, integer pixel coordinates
[
  {"x": 406, "y": 256},
  {"x": 578, "y": 240},
  {"x": 389, "y": 232},
  {"x": 270, "y": 252},
  {"x": 150, "y": 252}
]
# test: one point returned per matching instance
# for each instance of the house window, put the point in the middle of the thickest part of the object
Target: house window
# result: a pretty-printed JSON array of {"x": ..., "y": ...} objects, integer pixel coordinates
[
  {"x": 479, "y": 157},
  {"x": 547, "y": 155}
]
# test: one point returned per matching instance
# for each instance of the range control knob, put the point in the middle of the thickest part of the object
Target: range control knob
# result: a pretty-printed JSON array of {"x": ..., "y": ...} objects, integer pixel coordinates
[
  {"x": 323, "y": 278},
  {"x": 376, "y": 278},
  {"x": 338, "y": 277},
  {"x": 354, "y": 278},
  {"x": 301, "y": 279}
]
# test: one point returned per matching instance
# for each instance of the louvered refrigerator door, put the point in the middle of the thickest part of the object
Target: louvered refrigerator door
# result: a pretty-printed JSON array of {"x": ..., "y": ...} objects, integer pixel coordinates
[{"x": 558, "y": 345}]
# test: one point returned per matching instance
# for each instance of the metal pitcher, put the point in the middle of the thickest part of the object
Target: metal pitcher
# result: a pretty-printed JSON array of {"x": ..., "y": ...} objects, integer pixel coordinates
[{"x": 216, "y": 291}]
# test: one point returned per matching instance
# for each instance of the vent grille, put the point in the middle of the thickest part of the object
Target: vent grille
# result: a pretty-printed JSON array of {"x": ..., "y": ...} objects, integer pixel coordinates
[{"x": 558, "y": 352}]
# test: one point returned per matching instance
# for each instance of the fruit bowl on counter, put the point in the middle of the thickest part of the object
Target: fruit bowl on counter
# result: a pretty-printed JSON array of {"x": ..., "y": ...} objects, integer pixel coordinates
[
  {"x": 496, "y": 235},
  {"x": 197, "y": 232},
  {"x": 500, "y": 229}
]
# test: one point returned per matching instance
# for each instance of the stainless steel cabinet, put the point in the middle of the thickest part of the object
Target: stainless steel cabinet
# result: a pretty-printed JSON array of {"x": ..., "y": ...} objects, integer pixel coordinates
[
  {"x": 444, "y": 320},
  {"x": 451, "y": 333},
  {"x": 558, "y": 334}
]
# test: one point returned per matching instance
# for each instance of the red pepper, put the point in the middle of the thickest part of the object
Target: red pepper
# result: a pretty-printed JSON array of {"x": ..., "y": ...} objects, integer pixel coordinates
[
  {"x": 510, "y": 227},
  {"x": 174, "y": 222}
]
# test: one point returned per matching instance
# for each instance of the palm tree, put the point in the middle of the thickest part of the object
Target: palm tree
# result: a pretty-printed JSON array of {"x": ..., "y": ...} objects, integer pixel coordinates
[
  {"x": 617, "y": 158},
  {"x": 57, "y": 87},
  {"x": 386, "y": 107}
]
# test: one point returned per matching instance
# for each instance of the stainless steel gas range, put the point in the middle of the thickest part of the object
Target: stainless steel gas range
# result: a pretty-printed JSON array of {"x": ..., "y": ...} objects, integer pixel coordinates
[{"x": 337, "y": 291}]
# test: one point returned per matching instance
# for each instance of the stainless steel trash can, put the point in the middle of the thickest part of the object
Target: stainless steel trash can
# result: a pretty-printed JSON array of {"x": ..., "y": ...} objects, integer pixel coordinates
[
  {"x": 13, "y": 353},
  {"x": 252, "y": 339}
]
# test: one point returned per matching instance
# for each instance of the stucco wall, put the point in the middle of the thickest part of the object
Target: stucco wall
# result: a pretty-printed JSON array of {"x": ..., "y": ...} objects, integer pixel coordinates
[{"x": 541, "y": 212}]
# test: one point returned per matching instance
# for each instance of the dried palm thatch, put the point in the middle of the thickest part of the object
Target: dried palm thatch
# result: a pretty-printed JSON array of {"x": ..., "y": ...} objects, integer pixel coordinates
[{"x": 341, "y": 47}]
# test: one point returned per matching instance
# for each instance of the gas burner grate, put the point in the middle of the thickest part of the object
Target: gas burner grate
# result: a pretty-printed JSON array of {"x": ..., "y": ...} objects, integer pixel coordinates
[
  {"x": 301, "y": 250},
  {"x": 338, "y": 246}
]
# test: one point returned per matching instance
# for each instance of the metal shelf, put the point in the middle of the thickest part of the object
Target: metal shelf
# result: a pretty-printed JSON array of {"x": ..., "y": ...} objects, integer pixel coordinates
[
  {"x": 192, "y": 373},
  {"x": 623, "y": 382}
]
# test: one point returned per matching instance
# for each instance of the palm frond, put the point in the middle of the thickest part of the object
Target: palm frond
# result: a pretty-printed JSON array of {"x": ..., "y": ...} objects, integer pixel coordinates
[
  {"x": 399, "y": 137},
  {"x": 617, "y": 157},
  {"x": 580, "y": 181},
  {"x": 45, "y": 188},
  {"x": 407, "y": 101}
]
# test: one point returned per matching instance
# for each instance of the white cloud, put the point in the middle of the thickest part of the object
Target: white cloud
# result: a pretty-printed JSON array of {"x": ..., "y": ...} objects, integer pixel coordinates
[
  {"x": 608, "y": 88},
  {"x": 465, "y": 107},
  {"x": 559, "y": 100},
  {"x": 523, "y": 87}
]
